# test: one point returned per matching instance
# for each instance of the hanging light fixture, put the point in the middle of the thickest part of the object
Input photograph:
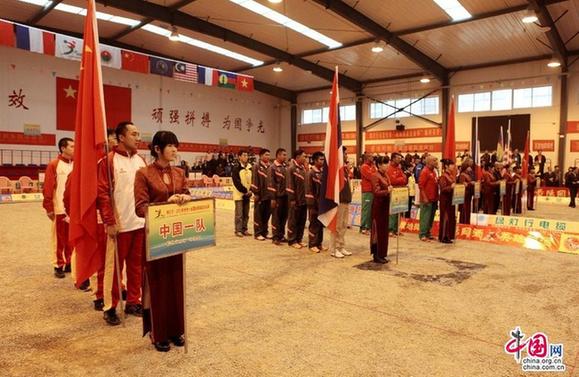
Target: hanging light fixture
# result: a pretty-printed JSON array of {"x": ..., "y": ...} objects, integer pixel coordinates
[
  {"x": 174, "y": 36},
  {"x": 275, "y": 1},
  {"x": 277, "y": 68},
  {"x": 377, "y": 47},
  {"x": 554, "y": 63},
  {"x": 425, "y": 80},
  {"x": 530, "y": 16}
]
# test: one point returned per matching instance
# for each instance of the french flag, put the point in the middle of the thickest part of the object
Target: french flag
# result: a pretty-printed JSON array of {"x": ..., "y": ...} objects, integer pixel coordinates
[
  {"x": 333, "y": 178},
  {"x": 205, "y": 76},
  {"x": 34, "y": 40}
]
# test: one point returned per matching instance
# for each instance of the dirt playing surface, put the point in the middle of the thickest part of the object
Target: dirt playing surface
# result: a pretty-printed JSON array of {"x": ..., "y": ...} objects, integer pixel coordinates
[{"x": 254, "y": 309}]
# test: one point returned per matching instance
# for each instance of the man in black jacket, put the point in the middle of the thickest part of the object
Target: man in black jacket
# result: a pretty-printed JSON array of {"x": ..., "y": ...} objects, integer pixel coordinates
[
  {"x": 572, "y": 182},
  {"x": 276, "y": 176},
  {"x": 296, "y": 191},
  {"x": 241, "y": 176},
  {"x": 261, "y": 196},
  {"x": 313, "y": 190}
]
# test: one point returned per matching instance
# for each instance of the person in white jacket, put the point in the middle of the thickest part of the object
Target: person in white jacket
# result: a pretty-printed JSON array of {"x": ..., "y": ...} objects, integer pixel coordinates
[{"x": 242, "y": 193}]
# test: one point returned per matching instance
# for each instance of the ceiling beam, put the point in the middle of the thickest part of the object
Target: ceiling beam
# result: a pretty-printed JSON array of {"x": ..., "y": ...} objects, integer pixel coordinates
[
  {"x": 418, "y": 29},
  {"x": 266, "y": 88},
  {"x": 43, "y": 12},
  {"x": 380, "y": 32},
  {"x": 146, "y": 21},
  {"x": 557, "y": 45},
  {"x": 186, "y": 21},
  {"x": 451, "y": 69}
]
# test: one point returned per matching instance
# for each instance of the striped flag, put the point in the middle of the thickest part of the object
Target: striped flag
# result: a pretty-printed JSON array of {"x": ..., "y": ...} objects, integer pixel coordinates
[
  {"x": 34, "y": 40},
  {"x": 525, "y": 170},
  {"x": 185, "y": 72},
  {"x": 333, "y": 178},
  {"x": 205, "y": 75}
]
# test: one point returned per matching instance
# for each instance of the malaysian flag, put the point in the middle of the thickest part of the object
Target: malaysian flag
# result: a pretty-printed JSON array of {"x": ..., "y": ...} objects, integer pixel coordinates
[
  {"x": 333, "y": 178},
  {"x": 185, "y": 72}
]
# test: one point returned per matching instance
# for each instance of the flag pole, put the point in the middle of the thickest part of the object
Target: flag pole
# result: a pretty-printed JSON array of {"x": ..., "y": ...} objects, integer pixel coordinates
[{"x": 185, "y": 337}]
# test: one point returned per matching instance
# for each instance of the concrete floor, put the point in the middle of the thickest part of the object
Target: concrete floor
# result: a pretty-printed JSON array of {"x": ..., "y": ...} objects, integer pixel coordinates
[{"x": 259, "y": 310}]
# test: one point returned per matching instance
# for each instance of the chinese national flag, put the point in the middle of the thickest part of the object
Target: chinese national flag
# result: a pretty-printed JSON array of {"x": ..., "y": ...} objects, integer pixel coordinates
[
  {"x": 132, "y": 61},
  {"x": 90, "y": 131},
  {"x": 449, "y": 150},
  {"x": 118, "y": 102},
  {"x": 244, "y": 83},
  {"x": 525, "y": 168}
]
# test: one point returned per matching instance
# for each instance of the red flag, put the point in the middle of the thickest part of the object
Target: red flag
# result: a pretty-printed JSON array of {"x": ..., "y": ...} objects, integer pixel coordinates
[
  {"x": 525, "y": 169},
  {"x": 90, "y": 130},
  {"x": 244, "y": 83},
  {"x": 449, "y": 151},
  {"x": 118, "y": 102},
  {"x": 333, "y": 175},
  {"x": 132, "y": 61},
  {"x": 7, "y": 36}
]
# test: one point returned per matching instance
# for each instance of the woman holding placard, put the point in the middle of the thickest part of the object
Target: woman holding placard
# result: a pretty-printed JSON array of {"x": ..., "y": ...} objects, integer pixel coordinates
[
  {"x": 447, "y": 181},
  {"x": 163, "y": 304},
  {"x": 381, "y": 188},
  {"x": 466, "y": 179}
]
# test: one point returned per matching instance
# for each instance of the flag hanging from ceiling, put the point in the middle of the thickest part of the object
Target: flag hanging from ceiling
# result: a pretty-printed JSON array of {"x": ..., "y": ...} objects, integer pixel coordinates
[
  {"x": 205, "y": 75},
  {"x": 132, "y": 61},
  {"x": 7, "y": 34},
  {"x": 333, "y": 175},
  {"x": 225, "y": 79},
  {"x": 90, "y": 136},
  {"x": 185, "y": 72},
  {"x": 111, "y": 56},
  {"x": 161, "y": 67},
  {"x": 244, "y": 83},
  {"x": 35, "y": 40},
  {"x": 68, "y": 47}
]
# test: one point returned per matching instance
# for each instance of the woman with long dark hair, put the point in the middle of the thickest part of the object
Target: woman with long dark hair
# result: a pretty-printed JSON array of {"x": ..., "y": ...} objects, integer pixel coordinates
[
  {"x": 163, "y": 314},
  {"x": 466, "y": 179},
  {"x": 381, "y": 188},
  {"x": 447, "y": 181}
]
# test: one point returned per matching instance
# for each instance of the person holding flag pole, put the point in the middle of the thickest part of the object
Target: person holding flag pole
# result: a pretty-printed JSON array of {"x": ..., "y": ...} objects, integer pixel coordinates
[
  {"x": 91, "y": 136},
  {"x": 335, "y": 193}
]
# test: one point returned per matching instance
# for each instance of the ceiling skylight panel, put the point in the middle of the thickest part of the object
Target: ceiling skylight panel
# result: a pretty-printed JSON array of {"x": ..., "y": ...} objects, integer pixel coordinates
[{"x": 454, "y": 9}]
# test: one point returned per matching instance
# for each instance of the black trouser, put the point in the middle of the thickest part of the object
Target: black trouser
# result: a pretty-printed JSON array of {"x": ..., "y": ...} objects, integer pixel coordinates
[
  {"x": 261, "y": 212},
  {"x": 316, "y": 229},
  {"x": 573, "y": 193},
  {"x": 279, "y": 218},
  {"x": 241, "y": 215},
  {"x": 296, "y": 223}
]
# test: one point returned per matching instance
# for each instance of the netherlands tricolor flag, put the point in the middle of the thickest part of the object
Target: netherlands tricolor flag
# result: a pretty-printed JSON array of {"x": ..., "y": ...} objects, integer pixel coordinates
[
  {"x": 34, "y": 40},
  {"x": 333, "y": 173}
]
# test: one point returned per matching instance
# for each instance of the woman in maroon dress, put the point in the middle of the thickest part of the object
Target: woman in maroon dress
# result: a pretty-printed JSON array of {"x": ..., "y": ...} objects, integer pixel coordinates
[
  {"x": 531, "y": 185},
  {"x": 510, "y": 188},
  {"x": 466, "y": 178},
  {"x": 488, "y": 187},
  {"x": 163, "y": 314},
  {"x": 447, "y": 223},
  {"x": 517, "y": 191},
  {"x": 381, "y": 189}
]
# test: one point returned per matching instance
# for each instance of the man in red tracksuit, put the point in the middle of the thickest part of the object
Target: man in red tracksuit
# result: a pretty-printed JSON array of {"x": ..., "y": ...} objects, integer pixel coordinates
[
  {"x": 121, "y": 221},
  {"x": 367, "y": 171},
  {"x": 397, "y": 179},
  {"x": 55, "y": 177},
  {"x": 428, "y": 185}
]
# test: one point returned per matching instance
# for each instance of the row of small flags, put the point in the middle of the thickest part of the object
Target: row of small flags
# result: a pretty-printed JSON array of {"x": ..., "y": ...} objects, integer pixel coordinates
[{"x": 64, "y": 46}]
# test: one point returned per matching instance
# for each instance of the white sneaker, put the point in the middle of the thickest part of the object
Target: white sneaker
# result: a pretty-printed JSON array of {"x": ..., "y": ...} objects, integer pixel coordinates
[
  {"x": 345, "y": 252},
  {"x": 337, "y": 254}
]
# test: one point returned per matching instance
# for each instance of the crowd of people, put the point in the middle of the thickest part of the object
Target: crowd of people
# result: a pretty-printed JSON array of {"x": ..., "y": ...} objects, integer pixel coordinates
[{"x": 285, "y": 194}]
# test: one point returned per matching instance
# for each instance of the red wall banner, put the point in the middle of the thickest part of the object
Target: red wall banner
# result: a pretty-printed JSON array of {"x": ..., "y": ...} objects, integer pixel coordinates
[
  {"x": 389, "y": 148},
  {"x": 322, "y": 136},
  {"x": 573, "y": 126},
  {"x": 406, "y": 134},
  {"x": 350, "y": 149},
  {"x": 21, "y": 139},
  {"x": 574, "y": 145},
  {"x": 206, "y": 148},
  {"x": 544, "y": 145}
]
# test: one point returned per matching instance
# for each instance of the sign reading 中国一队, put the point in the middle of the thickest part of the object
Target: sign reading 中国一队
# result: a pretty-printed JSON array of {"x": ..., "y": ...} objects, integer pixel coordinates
[{"x": 176, "y": 229}]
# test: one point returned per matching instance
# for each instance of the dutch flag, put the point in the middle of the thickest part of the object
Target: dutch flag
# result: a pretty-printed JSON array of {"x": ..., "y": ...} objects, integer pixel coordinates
[{"x": 333, "y": 176}]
